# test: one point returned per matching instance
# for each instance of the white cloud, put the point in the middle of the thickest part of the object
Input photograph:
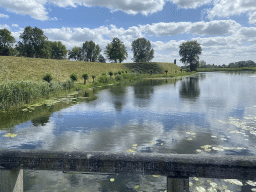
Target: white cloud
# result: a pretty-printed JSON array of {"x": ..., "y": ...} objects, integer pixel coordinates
[
  {"x": 34, "y": 8},
  {"x": 190, "y": 3},
  {"x": 226, "y": 8},
  {"x": 15, "y": 25},
  {"x": 3, "y": 16},
  {"x": 252, "y": 17},
  {"x": 5, "y": 26},
  {"x": 37, "y": 10},
  {"x": 219, "y": 27}
]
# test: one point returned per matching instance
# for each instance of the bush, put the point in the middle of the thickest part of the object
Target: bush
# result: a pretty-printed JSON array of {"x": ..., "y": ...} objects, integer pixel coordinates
[
  {"x": 119, "y": 72},
  {"x": 85, "y": 76},
  {"x": 47, "y": 77},
  {"x": 93, "y": 77},
  {"x": 102, "y": 79},
  {"x": 126, "y": 75},
  {"x": 68, "y": 84},
  {"x": 110, "y": 73},
  {"x": 115, "y": 73},
  {"x": 73, "y": 76},
  {"x": 118, "y": 78},
  {"x": 103, "y": 74}
]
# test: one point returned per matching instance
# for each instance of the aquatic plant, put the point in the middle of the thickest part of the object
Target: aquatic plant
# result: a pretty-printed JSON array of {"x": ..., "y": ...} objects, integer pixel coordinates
[{"x": 17, "y": 93}]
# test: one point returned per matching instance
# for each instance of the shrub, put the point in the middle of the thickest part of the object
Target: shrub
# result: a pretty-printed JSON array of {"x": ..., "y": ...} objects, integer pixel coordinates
[
  {"x": 166, "y": 71},
  {"x": 115, "y": 73},
  {"x": 85, "y": 76},
  {"x": 110, "y": 73},
  {"x": 68, "y": 84},
  {"x": 103, "y": 74},
  {"x": 126, "y": 75},
  {"x": 119, "y": 72},
  {"x": 150, "y": 71},
  {"x": 47, "y": 77},
  {"x": 102, "y": 79},
  {"x": 93, "y": 76},
  {"x": 118, "y": 78},
  {"x": 73, "y": 76}
]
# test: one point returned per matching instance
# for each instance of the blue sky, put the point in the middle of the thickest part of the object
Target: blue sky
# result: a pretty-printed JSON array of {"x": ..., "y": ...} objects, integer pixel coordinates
[{"x": 225, "y": 28}]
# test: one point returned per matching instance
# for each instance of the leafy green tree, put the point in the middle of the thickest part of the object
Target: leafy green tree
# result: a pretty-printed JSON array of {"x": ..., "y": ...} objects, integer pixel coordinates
[
  {"x": 101, "y": 59},
  {"x": 47, "y": 77},
  {"x": 75, "y": 53},
  {"x": 85, "y": 76},
  {"x": 142, "y": 51},
  {"x": 73, "y": 76},
  {"x": 58, "y": 50},
  {"x": 190, "y": 51},
  {"x": 110, "y": 73},
  {"x": 93, "y": 77},
  {"x": 32, "y": 42},
  {"x": 6, "y": 42},
  {"x": 116, "y": 50},
  {"x": 90, "y": 51}
]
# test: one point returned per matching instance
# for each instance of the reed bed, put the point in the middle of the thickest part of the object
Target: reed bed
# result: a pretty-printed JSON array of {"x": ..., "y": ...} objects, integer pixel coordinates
[{"x": 18, "y": 93}]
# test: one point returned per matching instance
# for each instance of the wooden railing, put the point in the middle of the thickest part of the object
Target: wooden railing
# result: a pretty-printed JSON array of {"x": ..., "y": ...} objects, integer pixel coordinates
[{"x": 176, "y": 167}]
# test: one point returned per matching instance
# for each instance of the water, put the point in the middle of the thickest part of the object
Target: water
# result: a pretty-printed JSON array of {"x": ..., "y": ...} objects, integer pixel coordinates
[{"x": 212, "y": 113}]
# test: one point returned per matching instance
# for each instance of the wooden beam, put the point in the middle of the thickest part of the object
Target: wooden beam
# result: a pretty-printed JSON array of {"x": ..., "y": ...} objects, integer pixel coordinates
[{"x": 172, "y": 165}]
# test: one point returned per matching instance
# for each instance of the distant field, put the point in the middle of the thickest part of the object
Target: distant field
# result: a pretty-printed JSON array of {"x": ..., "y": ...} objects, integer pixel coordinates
[{"x": 22, "y": 68}]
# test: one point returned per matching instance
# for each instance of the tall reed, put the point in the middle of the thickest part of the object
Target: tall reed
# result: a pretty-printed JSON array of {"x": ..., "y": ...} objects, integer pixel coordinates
[{"x": 17, "y": 93}]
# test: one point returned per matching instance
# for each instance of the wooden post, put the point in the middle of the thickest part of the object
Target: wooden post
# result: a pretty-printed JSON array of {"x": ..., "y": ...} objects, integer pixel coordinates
[{"x": 177, "y": 184}]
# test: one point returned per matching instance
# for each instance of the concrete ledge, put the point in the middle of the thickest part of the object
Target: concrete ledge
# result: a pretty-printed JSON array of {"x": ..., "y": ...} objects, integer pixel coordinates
[{"x": 171, "y": 165}]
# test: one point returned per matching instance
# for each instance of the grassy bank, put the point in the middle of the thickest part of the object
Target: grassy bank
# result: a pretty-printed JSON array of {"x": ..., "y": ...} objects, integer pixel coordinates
[
  {"x": 23, "y": 68},
  {"x": 226, "y": 69},
  {"x": 21, "y": 82}
]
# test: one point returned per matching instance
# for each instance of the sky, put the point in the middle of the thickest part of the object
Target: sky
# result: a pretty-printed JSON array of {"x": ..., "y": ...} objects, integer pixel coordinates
[{"x": 225, "y": 29}]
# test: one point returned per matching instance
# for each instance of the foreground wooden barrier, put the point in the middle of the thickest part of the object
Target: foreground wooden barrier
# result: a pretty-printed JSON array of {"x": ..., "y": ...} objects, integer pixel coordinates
[{"x": 176, "y": 167}]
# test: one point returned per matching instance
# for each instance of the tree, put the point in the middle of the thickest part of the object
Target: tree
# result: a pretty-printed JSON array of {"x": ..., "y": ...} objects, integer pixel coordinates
[
  {"x": 142, "y": 51},
  {"x": 58, "y": 50},
  {"x": 116, "y": 50},
  {"x": 85, "y": 76},
  {"x": 75, "y": 53},
  {"x": 33, "y": 40},
  {"x": 101, "y": 59},
  {"x": 6, "y": 42},
  {"x": 90, "y": 51},
  {"x": 110, "y": 73},
  {"x": 189, "y": 52},
  {"x": 166, "y": 71},
  {"x": 93, "y": 76},
  {"x": 202, "y": 64}
]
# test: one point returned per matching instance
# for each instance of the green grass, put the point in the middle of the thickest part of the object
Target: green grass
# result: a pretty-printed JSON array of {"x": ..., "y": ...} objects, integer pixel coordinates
[
  {"x": 21, "y": 82},
  {"x": 226, "y": 69}
]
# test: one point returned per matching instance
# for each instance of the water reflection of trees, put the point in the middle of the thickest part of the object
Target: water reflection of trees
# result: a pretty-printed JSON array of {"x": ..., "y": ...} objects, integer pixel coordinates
[
  {"x": 190, "y": 88},
  {"x": 142, "y": 92},
  {"x": 41, "y": 120},
  {"x": 118, "y": 95}
]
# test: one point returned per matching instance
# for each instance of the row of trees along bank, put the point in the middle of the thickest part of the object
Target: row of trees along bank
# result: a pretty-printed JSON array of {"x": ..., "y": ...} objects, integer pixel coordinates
[{"x": 35, "y": 44}]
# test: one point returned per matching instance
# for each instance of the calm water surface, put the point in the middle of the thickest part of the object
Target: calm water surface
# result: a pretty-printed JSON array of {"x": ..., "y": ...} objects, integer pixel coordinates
[{"x": 209, "y": 114}]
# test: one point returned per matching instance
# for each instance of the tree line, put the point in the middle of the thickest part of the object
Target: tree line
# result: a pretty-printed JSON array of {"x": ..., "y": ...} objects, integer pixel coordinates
[
  {"x": 35, "y": 44},
  {"x": 239, "y": 64}
]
